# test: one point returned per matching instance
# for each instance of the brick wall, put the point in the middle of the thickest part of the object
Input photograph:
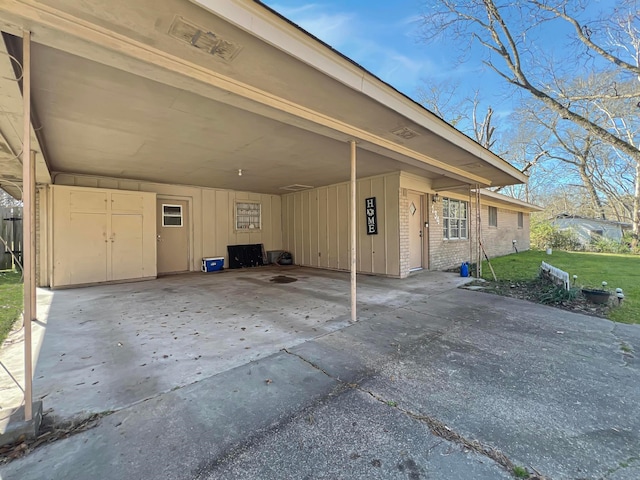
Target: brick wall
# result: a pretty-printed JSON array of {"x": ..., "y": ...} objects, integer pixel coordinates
[
  {"x": 497, "y": 241},
  {"x": 404, "y": 234}
]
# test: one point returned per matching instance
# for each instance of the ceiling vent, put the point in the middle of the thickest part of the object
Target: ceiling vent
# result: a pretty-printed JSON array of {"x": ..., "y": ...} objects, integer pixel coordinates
[
  {"x": 405, "y": 133},
  {"x": 296, "y": 187},
  {"x": 204, "y": 40}
]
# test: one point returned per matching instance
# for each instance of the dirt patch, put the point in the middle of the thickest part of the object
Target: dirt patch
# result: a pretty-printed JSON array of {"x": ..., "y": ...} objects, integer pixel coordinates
[
  {"x": 541, "y": 291},
  {"x": 50, "y": 431}
]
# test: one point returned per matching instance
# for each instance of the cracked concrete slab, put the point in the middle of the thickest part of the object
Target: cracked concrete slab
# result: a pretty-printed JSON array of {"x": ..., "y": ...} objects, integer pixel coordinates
[
  {"x": 551, "y": 390},
  {"x": 353, "y": 436}
]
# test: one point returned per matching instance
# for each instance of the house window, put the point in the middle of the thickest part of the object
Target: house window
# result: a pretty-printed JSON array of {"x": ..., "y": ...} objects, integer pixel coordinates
[
  {"x": 454, "y": 219},
  {"x": 520, "y": 220},
  {"x": 171, "y": 215},
  {"x": 248, "y": 216},
  {"x": 493, "y": 216}
]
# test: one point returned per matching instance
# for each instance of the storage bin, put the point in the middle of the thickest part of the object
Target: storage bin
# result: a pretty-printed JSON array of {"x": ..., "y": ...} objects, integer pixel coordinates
[{"x": 212, "y": 264}]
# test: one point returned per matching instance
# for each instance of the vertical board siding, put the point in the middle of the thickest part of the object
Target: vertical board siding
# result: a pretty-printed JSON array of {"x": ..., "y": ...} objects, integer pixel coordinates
[
  {"x": 344, "y": 239},
  {"x": 212, "y": 212},
  {"x": 379, "y": 242},
  {"x": 323, "y": 230},
  {"x": 313, "y": 229},
  {"x": 318, "y": 219}
]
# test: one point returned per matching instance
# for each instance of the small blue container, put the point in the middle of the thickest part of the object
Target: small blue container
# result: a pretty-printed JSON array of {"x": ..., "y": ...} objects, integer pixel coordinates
[
  {"x": 212, "y": 264},
  {"x": 464, "y": 269}
]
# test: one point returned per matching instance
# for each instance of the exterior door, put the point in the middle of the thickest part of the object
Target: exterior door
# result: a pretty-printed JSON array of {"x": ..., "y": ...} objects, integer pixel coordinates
[
  {"x": 173, "y": 235},
  {"x": 415, "y": 231},
  {"x": 127, "y": 245}
]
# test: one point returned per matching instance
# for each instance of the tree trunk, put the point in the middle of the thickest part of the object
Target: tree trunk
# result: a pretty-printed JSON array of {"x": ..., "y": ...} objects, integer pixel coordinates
[{"x": 591, "y": 189}]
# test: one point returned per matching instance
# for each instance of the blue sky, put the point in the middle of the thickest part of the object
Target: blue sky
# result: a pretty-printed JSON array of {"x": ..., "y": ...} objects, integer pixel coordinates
[{"x": 384, "y": 37}]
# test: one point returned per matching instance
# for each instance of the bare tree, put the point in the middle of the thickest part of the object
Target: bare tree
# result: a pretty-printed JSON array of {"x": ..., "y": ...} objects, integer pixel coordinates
[
  {"x": 606, "y": 44},
  {"x": 7, "y": 200},
  {"x": 462, "y": 113}
]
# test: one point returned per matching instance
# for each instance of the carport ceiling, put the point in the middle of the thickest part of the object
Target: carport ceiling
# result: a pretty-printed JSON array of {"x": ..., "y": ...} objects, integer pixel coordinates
[{"x": 105, "y": 121}]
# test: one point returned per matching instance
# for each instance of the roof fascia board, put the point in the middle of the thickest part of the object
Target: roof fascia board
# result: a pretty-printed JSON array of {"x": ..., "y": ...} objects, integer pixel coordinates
[
  {"x": 258, "y": 20},
  {"x": 493, "y": 197}
]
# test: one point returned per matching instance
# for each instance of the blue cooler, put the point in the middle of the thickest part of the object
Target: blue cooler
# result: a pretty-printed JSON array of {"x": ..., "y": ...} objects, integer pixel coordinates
[{"x": 212, "y": 264}]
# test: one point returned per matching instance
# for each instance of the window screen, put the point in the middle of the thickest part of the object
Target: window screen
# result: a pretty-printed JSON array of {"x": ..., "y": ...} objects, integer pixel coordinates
[{"x": 171, "y": 215}]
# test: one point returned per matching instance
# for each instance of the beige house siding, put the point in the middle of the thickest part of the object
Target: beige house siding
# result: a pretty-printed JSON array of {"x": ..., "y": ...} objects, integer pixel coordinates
[
  {"x": 316, "y": 226},
  {"x": 211, "y": 211}
]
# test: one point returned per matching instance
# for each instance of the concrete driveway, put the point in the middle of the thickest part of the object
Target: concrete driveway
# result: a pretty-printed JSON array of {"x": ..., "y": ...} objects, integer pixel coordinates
[{"x": 433, "y": 382}]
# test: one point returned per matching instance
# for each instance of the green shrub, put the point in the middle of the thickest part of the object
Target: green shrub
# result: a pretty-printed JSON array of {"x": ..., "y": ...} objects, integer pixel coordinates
[
  {"x": 546, "y": 235},
  {"x": 607, "y": 245}
]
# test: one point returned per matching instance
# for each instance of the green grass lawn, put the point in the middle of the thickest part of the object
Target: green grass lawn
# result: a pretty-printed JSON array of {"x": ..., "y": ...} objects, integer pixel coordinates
[
  {"x": 10, "y": 301},
  {"x": 619, "y": 271}
]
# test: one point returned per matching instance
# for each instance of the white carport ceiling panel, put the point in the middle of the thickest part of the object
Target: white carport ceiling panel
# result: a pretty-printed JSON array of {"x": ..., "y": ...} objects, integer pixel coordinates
[{"x": 105, "y": 121}]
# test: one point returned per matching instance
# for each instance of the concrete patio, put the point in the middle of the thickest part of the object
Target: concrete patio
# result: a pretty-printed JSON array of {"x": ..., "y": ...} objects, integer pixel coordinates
[
  {"x": 427, "y": 384},
  {"x": 106, "y": 347}
]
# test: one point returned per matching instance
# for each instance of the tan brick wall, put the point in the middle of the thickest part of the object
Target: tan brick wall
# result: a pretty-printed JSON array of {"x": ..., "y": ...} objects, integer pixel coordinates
[
  {"x": 445, "y": 253},
  {"x": 497, "y": 241},
  {"x": 404, "y": 234}
]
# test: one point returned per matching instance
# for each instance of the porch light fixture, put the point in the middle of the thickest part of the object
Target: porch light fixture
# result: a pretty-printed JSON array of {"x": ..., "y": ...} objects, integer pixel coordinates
[
  {"x": 436, "y": 198},
  {"x": 239, "y": 172}
]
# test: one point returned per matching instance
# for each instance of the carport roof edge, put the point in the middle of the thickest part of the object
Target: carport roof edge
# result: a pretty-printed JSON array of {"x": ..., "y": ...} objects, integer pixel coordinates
[{"x": 463, "y": 160}]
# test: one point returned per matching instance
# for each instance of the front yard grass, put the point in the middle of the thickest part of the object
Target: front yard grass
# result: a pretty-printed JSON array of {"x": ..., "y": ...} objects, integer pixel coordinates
[
  {"x": 619, "y": 271},
  {"x": 10, "y": 301}
]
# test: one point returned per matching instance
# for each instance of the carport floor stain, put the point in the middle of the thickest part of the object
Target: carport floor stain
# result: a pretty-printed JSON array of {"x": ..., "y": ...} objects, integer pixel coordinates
[{"x": 283, "y": 279}]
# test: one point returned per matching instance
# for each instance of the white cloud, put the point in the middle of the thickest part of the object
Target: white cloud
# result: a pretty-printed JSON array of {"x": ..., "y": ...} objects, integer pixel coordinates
[{"x": 332, "y": 28}]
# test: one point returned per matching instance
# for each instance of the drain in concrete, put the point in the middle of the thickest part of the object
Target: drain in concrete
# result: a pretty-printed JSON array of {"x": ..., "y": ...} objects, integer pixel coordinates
[{"x": 283, "y": 279}]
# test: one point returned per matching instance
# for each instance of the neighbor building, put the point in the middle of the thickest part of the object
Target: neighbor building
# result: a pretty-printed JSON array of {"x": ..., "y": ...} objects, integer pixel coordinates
[{"x": 590, "y": 230}]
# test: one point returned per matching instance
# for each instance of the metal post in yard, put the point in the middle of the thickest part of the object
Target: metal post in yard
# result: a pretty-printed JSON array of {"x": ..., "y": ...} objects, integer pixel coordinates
[{"x": 353, "y": 231}]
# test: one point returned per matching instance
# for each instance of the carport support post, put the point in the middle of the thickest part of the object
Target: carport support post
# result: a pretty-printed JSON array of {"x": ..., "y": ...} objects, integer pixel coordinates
[
  {"x": 353, "y": 230},
  {"x": 28, "y": 242}
]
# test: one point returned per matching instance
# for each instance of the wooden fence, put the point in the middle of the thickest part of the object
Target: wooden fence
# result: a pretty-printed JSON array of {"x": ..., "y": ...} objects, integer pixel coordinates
[{"x": 10, "y": 236}]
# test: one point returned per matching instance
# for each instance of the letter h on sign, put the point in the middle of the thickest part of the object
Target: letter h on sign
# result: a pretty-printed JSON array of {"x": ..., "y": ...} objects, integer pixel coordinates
[{"x": 372, "y": 218}]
